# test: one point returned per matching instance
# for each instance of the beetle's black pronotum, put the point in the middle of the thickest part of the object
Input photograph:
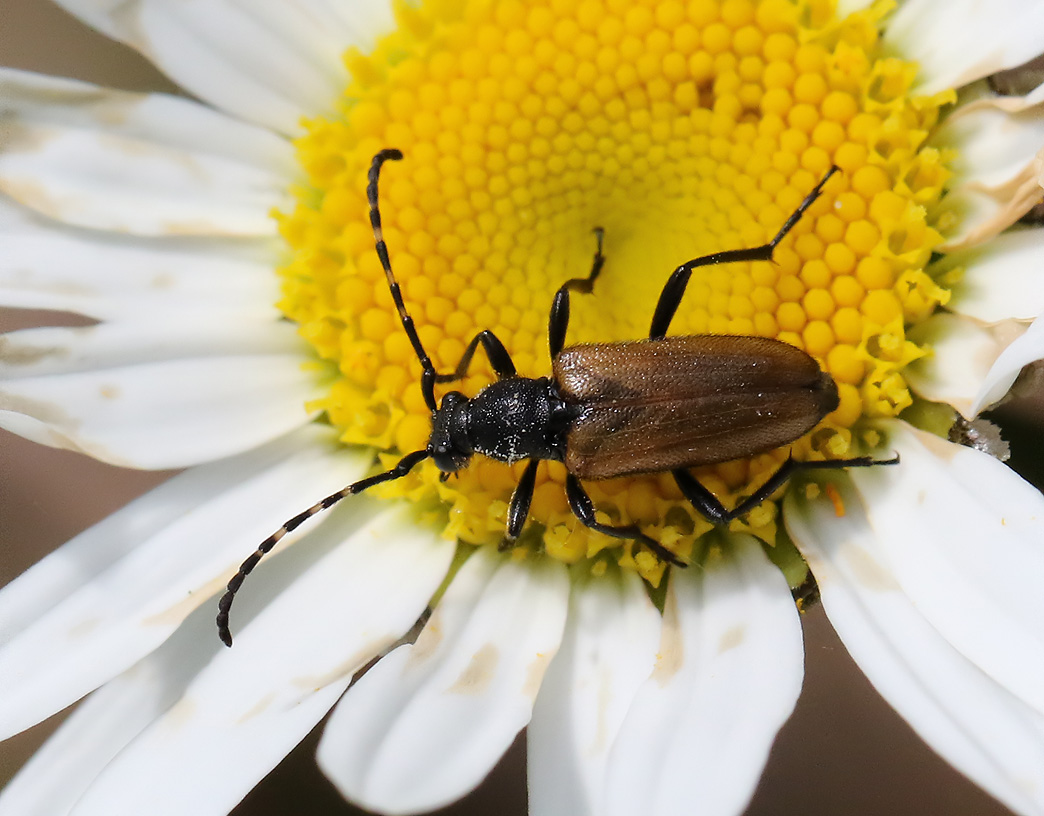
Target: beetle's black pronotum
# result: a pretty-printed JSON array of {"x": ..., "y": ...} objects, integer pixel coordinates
[{"x": 612, "y": 409}]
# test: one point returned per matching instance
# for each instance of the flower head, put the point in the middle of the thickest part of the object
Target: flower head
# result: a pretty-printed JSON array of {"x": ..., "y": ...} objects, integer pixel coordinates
[{"x": 542, "y": 142}]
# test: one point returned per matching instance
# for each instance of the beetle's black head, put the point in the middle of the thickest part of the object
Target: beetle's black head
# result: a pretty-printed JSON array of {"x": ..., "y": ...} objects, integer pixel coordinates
[{"x": 449, "y": 446}]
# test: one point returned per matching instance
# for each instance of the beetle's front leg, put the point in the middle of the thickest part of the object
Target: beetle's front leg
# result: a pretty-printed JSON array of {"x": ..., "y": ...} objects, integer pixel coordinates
[
  {"x": 518, "y": 512},
  {"x": 558, "y": 321},
  {"x": 498, "y": 356}
]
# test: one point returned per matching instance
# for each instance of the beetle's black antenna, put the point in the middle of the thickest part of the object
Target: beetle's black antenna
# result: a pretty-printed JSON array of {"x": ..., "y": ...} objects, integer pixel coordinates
[
  {"x": 428, "y": 377},
  {"x": 405, "y": 465},
  {"x": 670, "y": 297}
]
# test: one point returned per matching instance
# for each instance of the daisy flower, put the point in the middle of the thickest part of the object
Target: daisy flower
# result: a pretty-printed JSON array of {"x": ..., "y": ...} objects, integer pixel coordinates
[{"x": 243, "y": 330}]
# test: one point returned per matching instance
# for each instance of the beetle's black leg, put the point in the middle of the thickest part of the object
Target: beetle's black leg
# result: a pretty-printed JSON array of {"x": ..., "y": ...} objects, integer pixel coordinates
[
  {"x": 558, "y": 321},
  {"x": 583, "y": 509},
  {"x": 704, "y": 501},
  {"x": 405, "y": 465},
  {"x": 670, "y": 297},
  {"x": 495, "y": 351},
  {"x": 519, "y": 509}
]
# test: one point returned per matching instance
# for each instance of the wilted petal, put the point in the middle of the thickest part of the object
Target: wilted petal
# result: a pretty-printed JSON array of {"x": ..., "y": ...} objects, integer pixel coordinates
[
  {"x": 997, "y": 169},
  {"x": 430, "y": 720},
  {"x": 970, "y": 720},
  {"x": 609, "y": 650},
  {"x": 1025, "y": 350},
  {"x": 730, "y": 665}
]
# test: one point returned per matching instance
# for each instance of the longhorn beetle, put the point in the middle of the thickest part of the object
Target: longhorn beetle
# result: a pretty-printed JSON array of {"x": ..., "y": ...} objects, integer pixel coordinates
[{"x": 612, "y": 409}]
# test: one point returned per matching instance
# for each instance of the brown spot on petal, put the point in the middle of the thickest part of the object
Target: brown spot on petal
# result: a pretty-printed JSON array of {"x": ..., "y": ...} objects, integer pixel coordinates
[
  {"x": 605, "y": 689},
  {"x": 346, "y": 668},
  {"x": 671, "y": 655},
  {"x": 34, "y": 195},
  {"x": 868, "y": 571},
  {"x": 17, "y": 137},
  {"x": 478, "y": 674},
  {"x": 257, "y": 708},
  {"x": 941, "y": 448},
  {"x": 428, "y": 640},
  {"x": 18, "y": 354},
  {"x": 83, "y": 628},
  {"x": 732, "y": 638},
  {"x": 176, "y": 613},
  {"x": 37, "y": 409},
  {"x": 181, "y": 713},
  {"x": 535, "y": 675}
]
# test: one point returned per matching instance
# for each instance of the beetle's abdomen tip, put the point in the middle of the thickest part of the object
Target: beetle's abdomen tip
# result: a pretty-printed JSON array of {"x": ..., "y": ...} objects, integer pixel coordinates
[{"x": 826, "y": 391}]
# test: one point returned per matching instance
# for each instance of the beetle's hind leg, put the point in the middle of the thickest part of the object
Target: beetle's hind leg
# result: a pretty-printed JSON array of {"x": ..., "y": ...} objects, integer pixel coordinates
[
  {"x": 583, "y": 509},
  {"x": 558, "y": 321},
  {"x": 705, "y": 501}
]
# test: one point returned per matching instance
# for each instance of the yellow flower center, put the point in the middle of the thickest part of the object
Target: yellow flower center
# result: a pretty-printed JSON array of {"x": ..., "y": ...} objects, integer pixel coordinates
[{"x": 681, "y": 129}]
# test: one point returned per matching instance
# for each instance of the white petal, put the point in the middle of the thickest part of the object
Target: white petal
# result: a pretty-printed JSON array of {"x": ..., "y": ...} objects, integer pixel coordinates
[
  {"x": 110, "y": 276},
  {"x": 972, "y": 722},
  {"x": 53, "y": 350},
  {"x": 961, "y": 533},
  {"x": 87, "y": 556},
  {"x": 108, "y": 720},
  {"x": 145, "y": 164},
  {"x": 1001, "y": 279},
  {"x": 996, "y": 173},
  {"x": 609, "y": 649},
  {"x": 1025, "y": 350},
  {"x": 430, "y": 720},
  {"x": 730, "y": 667},
  {"x": 961, "y": 354},
  {"x": 160, "y": 119},
  {"x": 268, "y": 62},
  {"x": 958, "y": 42},
  {"x": 165, "y": 414},
  {"x": 252, "y": 704},
  {"x": 133, "y": 597}
]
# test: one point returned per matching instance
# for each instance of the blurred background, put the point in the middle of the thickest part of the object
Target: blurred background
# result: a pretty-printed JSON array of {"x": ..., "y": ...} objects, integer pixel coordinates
[{"x": 843, "y": 751}]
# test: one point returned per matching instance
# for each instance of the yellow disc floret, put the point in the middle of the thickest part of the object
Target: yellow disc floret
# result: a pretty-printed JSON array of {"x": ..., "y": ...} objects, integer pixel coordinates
[{"x": 681, "y": 128}]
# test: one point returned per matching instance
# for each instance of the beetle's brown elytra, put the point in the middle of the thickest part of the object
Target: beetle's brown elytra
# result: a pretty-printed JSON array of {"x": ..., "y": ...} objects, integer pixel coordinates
[
  {"x": 681, "y": 402},
  {"x": 663, "y": 404}
]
